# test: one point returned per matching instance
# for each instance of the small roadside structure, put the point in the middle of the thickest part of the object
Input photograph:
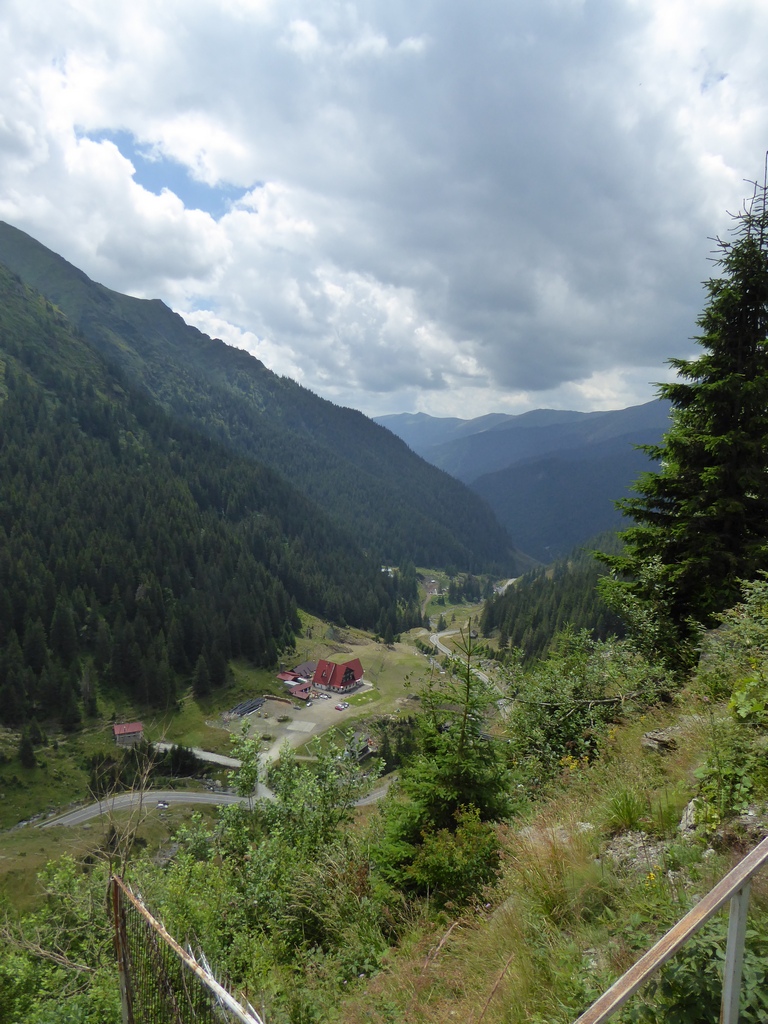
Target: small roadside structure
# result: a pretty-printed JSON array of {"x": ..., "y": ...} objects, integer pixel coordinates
[
  {"x": 338, "y": 678},
  {"x": 302, "y": 673},
  {"x": 128, "y": 734},
  {"x": 302, "y": 690},
  {"x": 361, "y": 746}
]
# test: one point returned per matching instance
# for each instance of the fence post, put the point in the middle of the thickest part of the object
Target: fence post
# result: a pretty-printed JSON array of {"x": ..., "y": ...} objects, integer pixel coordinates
[
  {"x": 121, "y": 950},
  {"x": 734, "y": 956}
]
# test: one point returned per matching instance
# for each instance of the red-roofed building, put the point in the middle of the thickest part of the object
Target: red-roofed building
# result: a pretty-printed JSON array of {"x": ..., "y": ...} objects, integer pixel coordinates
[
  {"x": 301, "y": 690},
  {"x": 338, "y": 678},
  {"x": 128, "y": 734},
  {"x": 301, "y": 672},
  {"x": 289, "y": 678}
]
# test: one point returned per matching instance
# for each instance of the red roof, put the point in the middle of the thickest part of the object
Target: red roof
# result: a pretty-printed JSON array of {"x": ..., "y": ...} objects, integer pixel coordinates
[
  {"x": 127, "y": 728},
  {"x": 329, "y": 674},
  {"x": 301, "y": 689}
]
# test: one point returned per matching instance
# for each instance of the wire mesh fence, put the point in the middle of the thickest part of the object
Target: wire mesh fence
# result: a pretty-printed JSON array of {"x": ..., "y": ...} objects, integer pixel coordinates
[{"x": 161, "y": 983}]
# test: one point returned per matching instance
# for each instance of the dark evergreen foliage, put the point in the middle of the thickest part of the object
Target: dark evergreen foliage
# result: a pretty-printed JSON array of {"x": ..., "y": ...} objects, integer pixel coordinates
[
  {"x": 136, "y": 551},
  {"x": 119, "y": 770},
  {"x": 27, "y": 750},
  {"x": 701, "y": 521},
  {"x": 532, "y": 611},
  {"x": 455, "y": 784}
]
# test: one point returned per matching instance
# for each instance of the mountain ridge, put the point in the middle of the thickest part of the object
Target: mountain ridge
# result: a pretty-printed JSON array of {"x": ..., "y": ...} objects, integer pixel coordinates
[{"x": 397, "y": 506}]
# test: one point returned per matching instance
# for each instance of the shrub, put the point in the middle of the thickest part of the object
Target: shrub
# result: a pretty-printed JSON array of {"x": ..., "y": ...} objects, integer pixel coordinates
[{"x": 688, "y": 989}]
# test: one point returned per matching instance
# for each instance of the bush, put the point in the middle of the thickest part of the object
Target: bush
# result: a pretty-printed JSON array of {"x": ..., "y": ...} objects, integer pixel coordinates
[
  {"x": 688, "y": 989},
  {"x": 454, "y": 866}
]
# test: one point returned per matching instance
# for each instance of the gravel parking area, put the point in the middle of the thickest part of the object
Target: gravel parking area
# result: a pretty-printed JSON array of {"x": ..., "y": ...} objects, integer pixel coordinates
[{"x": 305, "y": 722}]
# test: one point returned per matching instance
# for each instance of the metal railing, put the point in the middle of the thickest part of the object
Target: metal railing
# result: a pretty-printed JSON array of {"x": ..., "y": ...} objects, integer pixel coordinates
[
  {"x": 161, "y": 983},
  {"x": 734, "y": 887}
]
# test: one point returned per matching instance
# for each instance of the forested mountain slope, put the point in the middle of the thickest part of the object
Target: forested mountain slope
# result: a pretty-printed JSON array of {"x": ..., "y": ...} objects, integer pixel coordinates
[
  {"x": 551, "y": 476},
  {"x": 530, "y": 613},
  {"x": 136, "y": 550},
  {"x": 367, "y": 480},
  {"x": 555, "y": 502}
]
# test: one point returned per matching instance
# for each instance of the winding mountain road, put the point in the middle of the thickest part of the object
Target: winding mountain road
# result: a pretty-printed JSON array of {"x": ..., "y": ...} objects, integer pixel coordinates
[
  {"x": 150, "y": 798},
  {"x": 146, "y": 799}
]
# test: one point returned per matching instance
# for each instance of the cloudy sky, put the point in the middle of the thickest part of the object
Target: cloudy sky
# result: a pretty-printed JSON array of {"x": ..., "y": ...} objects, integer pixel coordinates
[{"x": 455, "y": 207}]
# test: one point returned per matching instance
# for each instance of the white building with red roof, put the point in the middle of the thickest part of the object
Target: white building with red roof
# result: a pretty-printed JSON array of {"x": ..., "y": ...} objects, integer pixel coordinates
[{"x": 338, "y": 678}]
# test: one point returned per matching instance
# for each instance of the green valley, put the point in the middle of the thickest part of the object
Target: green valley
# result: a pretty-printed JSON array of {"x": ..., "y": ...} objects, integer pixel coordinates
[{"x": 461, "y": 784}]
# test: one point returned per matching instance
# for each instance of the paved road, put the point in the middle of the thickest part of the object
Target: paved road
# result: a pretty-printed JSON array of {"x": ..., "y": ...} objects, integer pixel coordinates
[
  {"x": 376, "y": 794},
  {"x": 151, "y": 797},
  {"x": 203, "y": 755},
  {"x": 503, "y": 702},
  {"x": 148, "y": 799},
  {"x": 435, "y": 639}
]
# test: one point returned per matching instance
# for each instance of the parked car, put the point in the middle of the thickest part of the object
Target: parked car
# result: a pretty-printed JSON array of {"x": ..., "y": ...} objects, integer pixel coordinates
[{"x": 341, "y": 707}]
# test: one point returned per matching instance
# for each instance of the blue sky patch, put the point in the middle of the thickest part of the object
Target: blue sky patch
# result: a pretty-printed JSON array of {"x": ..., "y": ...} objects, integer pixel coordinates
[{"x": 155, "y": 172}]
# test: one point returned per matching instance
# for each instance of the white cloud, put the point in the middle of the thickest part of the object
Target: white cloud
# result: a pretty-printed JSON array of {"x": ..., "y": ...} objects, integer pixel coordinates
[{"x": 455, "y": 209}]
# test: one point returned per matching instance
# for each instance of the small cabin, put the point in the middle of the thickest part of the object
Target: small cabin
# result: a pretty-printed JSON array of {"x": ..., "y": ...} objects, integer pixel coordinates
[
  {"x": 302, "y": 689},
  {"x": 128, "y": 734}
]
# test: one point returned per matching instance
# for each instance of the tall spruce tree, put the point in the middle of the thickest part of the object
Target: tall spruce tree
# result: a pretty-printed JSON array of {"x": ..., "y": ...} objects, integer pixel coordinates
[{"x": 701, "y": 522}]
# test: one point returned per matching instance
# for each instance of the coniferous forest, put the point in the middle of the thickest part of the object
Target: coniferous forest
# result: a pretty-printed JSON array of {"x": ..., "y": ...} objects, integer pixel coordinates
[
  {"x": 136, "y": 550},
  {"x": 546, "y": 600},
  {"x": 388, "y": 501}
]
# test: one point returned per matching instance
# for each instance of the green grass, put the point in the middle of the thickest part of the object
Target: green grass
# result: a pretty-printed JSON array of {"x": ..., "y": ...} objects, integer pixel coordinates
[
  {"x": 61, "y": 778},
  {"x": 189, "y": 727},
  {"x": 25, "y": 851},
  {"x": 565, "y": 921},
  {"x": 457, "y": 616}
]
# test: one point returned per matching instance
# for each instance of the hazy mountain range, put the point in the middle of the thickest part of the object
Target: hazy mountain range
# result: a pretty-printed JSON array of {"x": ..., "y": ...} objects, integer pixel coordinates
[{"x": 551, "y": 476}]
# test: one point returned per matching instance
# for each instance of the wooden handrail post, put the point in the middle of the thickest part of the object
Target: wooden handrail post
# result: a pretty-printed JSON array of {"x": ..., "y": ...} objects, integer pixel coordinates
[{"x": 734, "y": 956}]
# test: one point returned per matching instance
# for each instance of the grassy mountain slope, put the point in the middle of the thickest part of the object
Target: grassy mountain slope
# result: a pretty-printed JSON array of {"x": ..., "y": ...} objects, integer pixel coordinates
[{"x": 366, "y": 479}]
